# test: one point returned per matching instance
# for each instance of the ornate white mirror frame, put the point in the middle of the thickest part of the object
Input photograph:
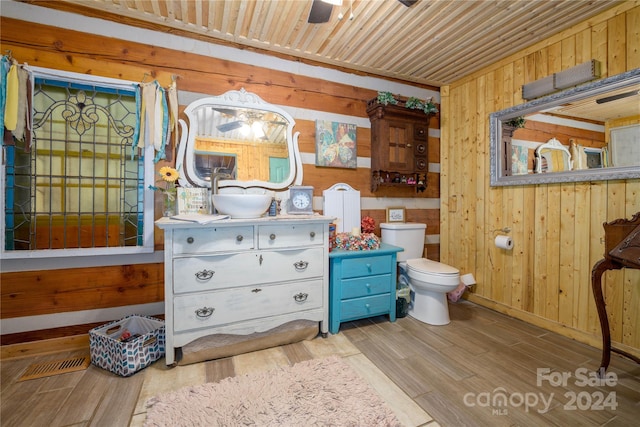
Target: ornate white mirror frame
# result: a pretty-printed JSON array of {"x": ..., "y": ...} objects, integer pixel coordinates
[
  {"x": 500, "y": 156},
  {"x": 222, "y": 119}
]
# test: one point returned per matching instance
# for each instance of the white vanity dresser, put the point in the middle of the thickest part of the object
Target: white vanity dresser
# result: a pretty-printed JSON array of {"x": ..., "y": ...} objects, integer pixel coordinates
[
  {"x": 240, "y": 276},
  {"x": 251, "y": 275}
]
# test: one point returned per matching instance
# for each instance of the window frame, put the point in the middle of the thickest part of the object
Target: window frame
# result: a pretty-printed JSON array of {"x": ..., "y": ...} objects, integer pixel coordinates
[{"x": 149, "y": 176}]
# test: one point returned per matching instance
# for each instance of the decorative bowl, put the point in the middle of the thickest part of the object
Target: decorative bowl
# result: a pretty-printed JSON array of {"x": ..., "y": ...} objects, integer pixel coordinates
[{"x": 241, "y": 205}]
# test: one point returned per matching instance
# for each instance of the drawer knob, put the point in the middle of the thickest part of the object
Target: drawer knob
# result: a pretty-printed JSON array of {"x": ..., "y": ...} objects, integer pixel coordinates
[
  {"x": 368, "y": 285},
  {"x": 301, "y": 297},
  {"x": 367, "y": 305},
  {"x": 239, "y": 238},
  {"x": 272, "y": 236},
  {"x": 205, "y": 274},
  {"x": 204, "y": 312},
  {"x": 369, "y": 267},
  {"x": 312, "y": 234},
  {"x": 300, "y": 265},
  {"x": 190, "y": 240}
]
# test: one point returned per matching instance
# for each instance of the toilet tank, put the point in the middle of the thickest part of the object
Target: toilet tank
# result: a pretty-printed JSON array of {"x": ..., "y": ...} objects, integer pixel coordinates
[{"x": 407, "y": 235}]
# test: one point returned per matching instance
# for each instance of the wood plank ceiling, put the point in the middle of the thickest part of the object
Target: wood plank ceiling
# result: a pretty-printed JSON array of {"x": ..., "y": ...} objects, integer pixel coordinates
[{"x": 431, "y": 43}]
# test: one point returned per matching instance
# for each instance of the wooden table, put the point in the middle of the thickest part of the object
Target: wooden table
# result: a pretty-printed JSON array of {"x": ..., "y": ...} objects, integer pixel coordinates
[{"x": 622, "y": 250}]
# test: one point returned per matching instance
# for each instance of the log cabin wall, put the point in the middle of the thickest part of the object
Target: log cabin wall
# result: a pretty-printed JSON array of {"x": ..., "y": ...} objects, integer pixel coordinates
[
  {"x": 41, "y": 299},
  {"x": 557, "y": 228}
]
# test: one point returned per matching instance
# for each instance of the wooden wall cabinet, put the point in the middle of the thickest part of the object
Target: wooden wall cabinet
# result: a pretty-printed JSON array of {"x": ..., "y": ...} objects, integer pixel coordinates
[
  {"x": 399, "y": 138},
  {"x": 506, "y": 137}
]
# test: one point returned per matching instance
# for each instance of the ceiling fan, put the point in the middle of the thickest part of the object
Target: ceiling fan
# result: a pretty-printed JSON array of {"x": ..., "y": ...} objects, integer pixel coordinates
[
  {"x": 321, "y": 9},
  {"x": 618, "y": 96},
  {"x": 249, "y": 121}
]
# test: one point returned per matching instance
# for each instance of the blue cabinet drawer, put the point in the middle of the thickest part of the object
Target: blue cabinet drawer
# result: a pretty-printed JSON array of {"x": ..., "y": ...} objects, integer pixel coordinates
[
  {"x": 359, "y": 308},
  {"x": 365, "y": 286},
  {"x": 367, "y": 266}
]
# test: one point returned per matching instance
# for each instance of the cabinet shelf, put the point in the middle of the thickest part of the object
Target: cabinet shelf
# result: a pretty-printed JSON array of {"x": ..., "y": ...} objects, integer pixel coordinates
[
  {"x": 419, "y": 181},
  {"x": 399, "y": 141}
]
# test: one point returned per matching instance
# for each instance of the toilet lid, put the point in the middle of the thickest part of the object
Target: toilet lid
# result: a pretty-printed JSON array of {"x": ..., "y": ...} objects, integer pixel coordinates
[{"x": 423, "y": 265}]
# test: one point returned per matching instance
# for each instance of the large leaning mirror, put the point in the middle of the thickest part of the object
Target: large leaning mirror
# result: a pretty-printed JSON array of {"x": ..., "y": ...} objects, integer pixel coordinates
[
  {"x": 587, "y": 133},
  {"x": 238, "y": 140}
]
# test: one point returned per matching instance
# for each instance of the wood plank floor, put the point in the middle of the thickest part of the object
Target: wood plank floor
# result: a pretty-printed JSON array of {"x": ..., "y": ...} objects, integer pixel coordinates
[{"x": 483, "y": 369}]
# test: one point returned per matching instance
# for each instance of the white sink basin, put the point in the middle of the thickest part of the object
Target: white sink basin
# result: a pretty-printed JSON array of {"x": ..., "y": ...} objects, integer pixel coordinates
[{"x": 241, "y": 205}]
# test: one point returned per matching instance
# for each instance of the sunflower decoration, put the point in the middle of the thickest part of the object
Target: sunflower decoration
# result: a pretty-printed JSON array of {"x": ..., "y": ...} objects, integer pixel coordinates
[
  {"x": 169, "y": 177},
  {"x": 169, "y": 174}
]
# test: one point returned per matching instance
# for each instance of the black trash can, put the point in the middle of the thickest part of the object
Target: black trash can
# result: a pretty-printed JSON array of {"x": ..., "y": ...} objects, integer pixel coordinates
[{"x": 403, "y": 297}]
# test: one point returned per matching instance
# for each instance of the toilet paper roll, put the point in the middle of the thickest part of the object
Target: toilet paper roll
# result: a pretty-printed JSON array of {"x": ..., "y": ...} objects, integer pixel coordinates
[
  {"x": 504, "y": 242},
  {"x": 468, "y": 279}
]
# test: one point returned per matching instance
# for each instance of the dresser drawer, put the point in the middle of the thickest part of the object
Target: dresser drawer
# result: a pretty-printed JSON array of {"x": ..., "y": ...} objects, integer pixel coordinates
[
  {"x": 240, "y": 304},
  {"x": 292, "y": 264},
  {"x": 283, "y": 236},
  {"x": 367, "y": 266},
  {"x": 203, "y": 240},
  {"x": 365, "y": 286},
  {"x": 202, "y": 273},
  {"x": 359, "y": 308}
]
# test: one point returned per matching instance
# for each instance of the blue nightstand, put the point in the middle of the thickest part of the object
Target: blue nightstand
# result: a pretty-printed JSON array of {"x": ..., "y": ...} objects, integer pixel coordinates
[{"x": 362, "y": 284}]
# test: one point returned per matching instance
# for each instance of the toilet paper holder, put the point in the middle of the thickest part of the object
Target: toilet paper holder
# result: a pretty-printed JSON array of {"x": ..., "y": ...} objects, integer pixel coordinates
[{"x": 502, "y": 230}]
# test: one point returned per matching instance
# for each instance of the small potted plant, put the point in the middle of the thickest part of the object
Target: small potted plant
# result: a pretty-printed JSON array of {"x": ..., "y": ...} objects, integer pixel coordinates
[{"x": 516, "y": 122}]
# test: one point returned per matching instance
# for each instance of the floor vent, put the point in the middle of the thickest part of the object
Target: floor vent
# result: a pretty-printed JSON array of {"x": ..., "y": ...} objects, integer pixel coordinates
[{"x": 56, "y": 367}]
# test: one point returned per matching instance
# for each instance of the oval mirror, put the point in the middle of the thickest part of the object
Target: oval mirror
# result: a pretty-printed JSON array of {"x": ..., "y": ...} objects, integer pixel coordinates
[
  {"x": 238, "y": 140},
  {"x": 587, "y": 133}
]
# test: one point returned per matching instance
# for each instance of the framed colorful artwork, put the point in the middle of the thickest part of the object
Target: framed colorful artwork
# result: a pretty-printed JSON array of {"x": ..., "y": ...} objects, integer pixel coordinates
[
  {"x": 336, "y": 144},
  {"x": 519, "y": 160}
]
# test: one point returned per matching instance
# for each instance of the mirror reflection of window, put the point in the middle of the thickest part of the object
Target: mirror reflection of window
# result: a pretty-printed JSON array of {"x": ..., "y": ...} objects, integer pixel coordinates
[
  {"x": 246, "y": 160},
  {"x": 208, "y": 163},
  {"x": 625, "y": 146}
]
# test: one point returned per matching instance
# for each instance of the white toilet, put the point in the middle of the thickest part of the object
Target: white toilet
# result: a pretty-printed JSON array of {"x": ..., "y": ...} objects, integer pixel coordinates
[{"x": 429, "y": 280}]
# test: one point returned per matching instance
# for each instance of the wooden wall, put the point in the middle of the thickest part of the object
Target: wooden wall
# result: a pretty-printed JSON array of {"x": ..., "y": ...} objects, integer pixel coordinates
[
  {"x": 32, "y": 293},
  {"x": 557, "y": 228}
]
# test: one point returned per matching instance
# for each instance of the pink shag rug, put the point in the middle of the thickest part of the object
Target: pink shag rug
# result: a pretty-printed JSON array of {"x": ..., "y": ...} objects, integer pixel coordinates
[{"x": 320, "y": 392}]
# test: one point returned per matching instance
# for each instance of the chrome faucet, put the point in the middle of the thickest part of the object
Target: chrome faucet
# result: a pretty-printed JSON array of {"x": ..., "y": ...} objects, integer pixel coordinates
[{"x": 216, "y": 175}]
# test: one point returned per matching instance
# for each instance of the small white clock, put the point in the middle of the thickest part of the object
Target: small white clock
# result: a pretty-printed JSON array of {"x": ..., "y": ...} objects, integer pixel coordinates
[{"x": 300, "y": 199}]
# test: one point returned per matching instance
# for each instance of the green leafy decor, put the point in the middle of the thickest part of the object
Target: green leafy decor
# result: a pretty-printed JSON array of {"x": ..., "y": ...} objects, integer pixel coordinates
[
  {"x": 516, "y": 122},
  {"x": 413, "y": 103},
  {"x": 429, "y": 107},
  {"x": 386, "y": 98}
]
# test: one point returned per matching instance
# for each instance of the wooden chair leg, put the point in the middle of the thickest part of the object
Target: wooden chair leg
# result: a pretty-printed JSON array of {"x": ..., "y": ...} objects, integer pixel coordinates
[{"x": 596, "y": 286}]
